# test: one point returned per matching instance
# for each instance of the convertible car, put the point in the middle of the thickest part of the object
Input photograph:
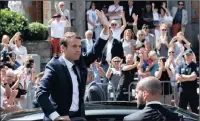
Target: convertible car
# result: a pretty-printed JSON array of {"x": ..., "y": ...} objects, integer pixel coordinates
[{"x": 98, "y": 111}]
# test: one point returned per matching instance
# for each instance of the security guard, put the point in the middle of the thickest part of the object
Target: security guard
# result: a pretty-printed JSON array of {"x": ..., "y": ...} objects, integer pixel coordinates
[{"x": 186, "y": 74}]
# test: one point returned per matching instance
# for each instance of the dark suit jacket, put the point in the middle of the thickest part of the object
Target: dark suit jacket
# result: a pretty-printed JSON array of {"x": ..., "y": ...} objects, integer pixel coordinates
[
  {"x": 94, "y": 93},
  {"x": 55, "y": 89},
  {"x": 153, "y": 112},
  {"x": 117, "y": 50},
  {"x": 127, "y": 15},
  {"x": 84, "y": 45}
]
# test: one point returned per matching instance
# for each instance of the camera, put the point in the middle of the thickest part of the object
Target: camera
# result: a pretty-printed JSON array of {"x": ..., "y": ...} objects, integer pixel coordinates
[{"x": 30, "y": 63}]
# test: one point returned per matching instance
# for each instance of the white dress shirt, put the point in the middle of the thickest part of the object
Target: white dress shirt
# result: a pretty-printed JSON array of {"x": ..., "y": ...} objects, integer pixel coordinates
[
  {"x": 108, "y": 51},
  {"x": 117, "y": 33},
  {"x": 89, "y": 45},
  {"x": 75, "y": 98},
  {"x": 130, "y": 10},
  {"x": 57, "y": 28}
]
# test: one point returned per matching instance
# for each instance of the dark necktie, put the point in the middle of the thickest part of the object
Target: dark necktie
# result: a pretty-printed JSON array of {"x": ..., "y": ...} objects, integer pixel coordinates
[{"x": 76, "y": 72}]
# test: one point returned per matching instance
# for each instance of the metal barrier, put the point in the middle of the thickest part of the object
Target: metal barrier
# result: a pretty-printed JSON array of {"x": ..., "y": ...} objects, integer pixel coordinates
[
  {"x": 112, "y": 95},
  {"x": 166, "y": 93}
]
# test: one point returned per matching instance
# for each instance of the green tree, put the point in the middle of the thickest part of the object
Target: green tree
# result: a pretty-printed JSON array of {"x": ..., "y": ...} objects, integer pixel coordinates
[{"x": 12, "y": 22}]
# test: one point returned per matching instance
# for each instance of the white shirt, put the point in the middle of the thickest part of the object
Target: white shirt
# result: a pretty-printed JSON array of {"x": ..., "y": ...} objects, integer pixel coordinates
[
  {"x": 156, "y": 16},
  {"x": 157, "y": 33},
  {"x": 19, "y": 51},
  {"x": 130, "y": 10},
  {"x": 54, "y": 115},
  {"x": 108, "y": 52},
  {"x": 147, "y": 38},
  {"x": 89, "y": 45},
  {"x": 92, "y": 17},
  {"x": 57, "y": 28},
  {"x": 153, "y": 102},
  {"x": 113, "y": 8},
  {"x": 3, "y": 97},
  {"x": 117, "y": 33}
]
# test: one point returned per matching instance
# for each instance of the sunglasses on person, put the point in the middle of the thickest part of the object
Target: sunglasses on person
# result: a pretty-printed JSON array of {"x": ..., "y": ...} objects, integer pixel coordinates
[
  {"x": 113, "y": 24},
  {"x": 164, "y": 30},
  {"x": 61, "y": 5},
  {"x": 171, "y": 52},
  {"x": 141, "y": 35},
  {"x": 116, "y": 61},
  {"x": 145, "y": 28},
  {"x": 180, "y": 4}
]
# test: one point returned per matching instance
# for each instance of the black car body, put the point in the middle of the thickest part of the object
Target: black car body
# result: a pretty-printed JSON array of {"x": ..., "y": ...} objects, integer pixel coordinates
[{"x": 98, "y": 111}]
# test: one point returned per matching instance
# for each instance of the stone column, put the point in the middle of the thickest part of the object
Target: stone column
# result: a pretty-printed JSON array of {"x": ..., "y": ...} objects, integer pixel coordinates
[
  {"x": 46, "y": 11},
  {"x": 77, "y": 14}
]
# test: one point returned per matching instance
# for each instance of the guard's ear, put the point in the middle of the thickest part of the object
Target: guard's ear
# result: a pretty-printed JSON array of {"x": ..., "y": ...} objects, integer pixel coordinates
[{"x": 145, "y": 94}]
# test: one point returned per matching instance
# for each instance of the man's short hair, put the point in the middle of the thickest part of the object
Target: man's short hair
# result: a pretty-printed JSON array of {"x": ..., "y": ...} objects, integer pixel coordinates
[
  {"x": 61, "y": 3},
  {"x": 181, "y": 1},
  {"x": 68, "y": 36},
  {"x": 151, "y": 84},
  {"x": 88, "y": 31}
]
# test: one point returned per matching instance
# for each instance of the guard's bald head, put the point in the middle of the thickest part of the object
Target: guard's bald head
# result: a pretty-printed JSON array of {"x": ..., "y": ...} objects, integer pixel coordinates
[{"x": 151, "y": 84}]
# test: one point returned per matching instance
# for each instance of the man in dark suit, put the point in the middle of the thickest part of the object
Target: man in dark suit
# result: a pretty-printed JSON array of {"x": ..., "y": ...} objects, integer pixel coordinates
[
  {"x": 128, "y": 14},
  {"x": 94, "y": 92},
  {"x": 61, "y": 89},
  {"x": 88, "y": 42},
  {"x": 112, "y": 49},
  {"x": 148, "y": 91}
]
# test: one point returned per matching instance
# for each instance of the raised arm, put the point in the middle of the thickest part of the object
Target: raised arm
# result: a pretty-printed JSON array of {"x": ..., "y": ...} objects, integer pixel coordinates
[
  {"x": 171, "y": 43},
  {"x": 135, "y": 18},
  {"x": 57, "y": 7},
  {"x": 96, "y": 51},
  {"x": 123, "y": 21},
  {"x": 129, "y": 67},
  {"x": 153, "y": 5},
  {"x": 164, "y": 7}
]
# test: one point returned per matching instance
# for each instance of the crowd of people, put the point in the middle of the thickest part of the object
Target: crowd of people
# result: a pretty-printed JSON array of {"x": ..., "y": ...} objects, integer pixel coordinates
[
  {"x": 17, "y": 74},
  {"x": 132, "y": 54},
  {"x": 129, "y": 55}
]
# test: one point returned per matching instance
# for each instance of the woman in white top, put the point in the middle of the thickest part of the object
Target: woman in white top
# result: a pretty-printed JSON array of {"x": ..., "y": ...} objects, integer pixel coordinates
[
  {"x": 129, "y": 42},
  {"x": 18, "y": 48},
  {"x": 116, "y": 28},
  {"x": 93, "y": 21},
  {"x": 164, "y": 16}
]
